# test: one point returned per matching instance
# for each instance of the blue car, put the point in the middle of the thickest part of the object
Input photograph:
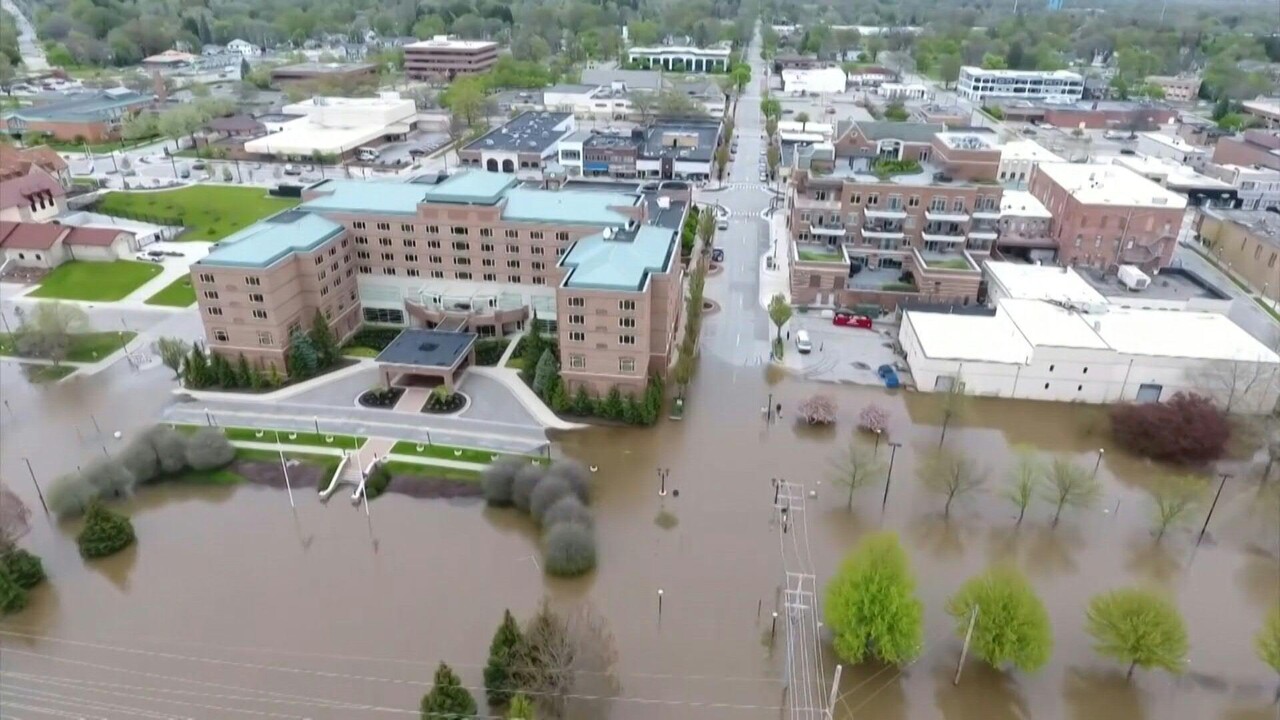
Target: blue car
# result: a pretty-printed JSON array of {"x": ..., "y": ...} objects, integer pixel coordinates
[{"x": 889, "y": 376}]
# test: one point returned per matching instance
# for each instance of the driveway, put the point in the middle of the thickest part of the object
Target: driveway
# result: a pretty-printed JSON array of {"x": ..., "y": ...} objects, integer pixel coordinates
[{"x": 840, "y": 354}]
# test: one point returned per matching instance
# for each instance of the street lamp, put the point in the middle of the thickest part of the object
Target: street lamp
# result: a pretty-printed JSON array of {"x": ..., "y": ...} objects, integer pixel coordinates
[
  {"x": 1221, "y": 484},
  {"x": 662, "y": 477},
  {"x": 889, "y": 478},
  {"x": 208, "y": 419},
  {"x": 1098, "y": 463}
]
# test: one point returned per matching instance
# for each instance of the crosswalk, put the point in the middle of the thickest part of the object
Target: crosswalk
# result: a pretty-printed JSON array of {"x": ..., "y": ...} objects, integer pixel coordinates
[{"x": 745, "y": 186}]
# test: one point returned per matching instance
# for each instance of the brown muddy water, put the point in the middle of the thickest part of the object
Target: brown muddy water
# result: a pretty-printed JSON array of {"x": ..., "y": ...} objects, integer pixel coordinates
[{"x": 233, "y": 606}]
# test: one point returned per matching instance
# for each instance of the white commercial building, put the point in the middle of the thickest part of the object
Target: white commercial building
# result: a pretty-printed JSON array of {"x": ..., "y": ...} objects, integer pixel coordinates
[
  {"x": 793, "y": 131},
  {"x": 981, "y": 85},
  {"x": 1170, "y": 147},
  {"x": 1257, "y": 187},
  {"x": 1019, "y": 157},
  {"x": 1038, "y": 349},
  {"x": 814, "y": 81},
  {"x": 902, "y": 91},
  {"x": 677, "y": 57},
  {"x": 244, "y": 48},
  {"x": 601, "y": 102},
  {"x": 337, "y": 126}
]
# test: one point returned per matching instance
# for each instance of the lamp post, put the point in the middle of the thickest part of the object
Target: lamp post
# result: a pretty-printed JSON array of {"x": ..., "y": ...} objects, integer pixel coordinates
[
  {"x": 208, "y": 419},
  {"x": 285, "y": 468},
  {"x": 39, "y": 493},
  {"x": 1098, "y": 462},
  {"x": 1221, "y": 484},
  {"x": 662, "y": 479},
  {"x": 893, "y": 453}
]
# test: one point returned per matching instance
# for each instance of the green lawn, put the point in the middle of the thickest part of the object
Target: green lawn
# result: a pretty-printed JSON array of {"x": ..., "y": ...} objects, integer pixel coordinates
[
  {"x": 823, "y": 257},
  {"x": 178, "y": 293},
  {"x": 948, "y": 264},
  {"x": 444, "y": 452},
  {"x": 345, "y": 442},
  {"x": 85, "y": 347},
  {"x": 101, "y": 281},
  {"x": 40, "y": 374},
  {"x": 209, "y": 212},
  {"x": 96, "y": 148},
  {"x": 358, "y": 351},
  {"x": 432, "y": 471}
]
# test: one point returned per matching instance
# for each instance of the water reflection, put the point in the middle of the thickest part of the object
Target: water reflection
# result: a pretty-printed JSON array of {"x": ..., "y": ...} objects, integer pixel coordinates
[
  {"x": 983, "y": 694},
  {"x": 1092, "y": 693}
]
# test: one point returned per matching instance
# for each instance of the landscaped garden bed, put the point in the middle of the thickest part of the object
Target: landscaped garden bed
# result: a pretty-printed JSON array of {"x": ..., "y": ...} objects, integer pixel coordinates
[
  {"x": 443, "y": 402},
  {"x": 381, "y": 398}
]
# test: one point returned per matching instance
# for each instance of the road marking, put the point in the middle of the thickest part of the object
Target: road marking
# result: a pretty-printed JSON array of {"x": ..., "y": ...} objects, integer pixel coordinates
[{"x": 738, "y": 342}]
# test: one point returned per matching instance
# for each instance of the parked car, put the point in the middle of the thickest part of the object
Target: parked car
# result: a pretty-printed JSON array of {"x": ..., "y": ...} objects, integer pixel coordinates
[
  {"x": 722, "y": 225},
  {"x": 292, "y": 170},
  {"x": 1128, "y": 151},
  {"x": 184, "y": 173},
  {"x": 803, "y": 343},
  {"x": 154, "y": 256},
  {"x": 889, "y": 376},
  {"x": 198, "y": 165},
  {"x": 717, "y": 254},
  {"x": 416, "y": 152},
  {"x": 845, "y": 319}
]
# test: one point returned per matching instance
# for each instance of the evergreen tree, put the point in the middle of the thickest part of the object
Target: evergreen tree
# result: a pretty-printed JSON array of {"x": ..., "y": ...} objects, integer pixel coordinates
[
  {"x": 448, "y": 700},
  {"x": 531, "y": 349},
  {"x": 521, "y": 708},
  {"x": 632, "y": 413},
  {"x": 559, "y": 399},
  {"x": 273, "y": 378},
  {"x": 544, "y": 374},
  {"x": 581, "y": 402},
  {"x": 504, "y": 653},
  {"x": 244, "y": 373},
  {"x": 613, "y": 407},
  {"x": 223, "y": 371},
  {"x": 301, "y": 360},
  {"x": 324, "y": 341},
  {"x": 12, "y": 597},
  {"x": 196, "y": 369}
]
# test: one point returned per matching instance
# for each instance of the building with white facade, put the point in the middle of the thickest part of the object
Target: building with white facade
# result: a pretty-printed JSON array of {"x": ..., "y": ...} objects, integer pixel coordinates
[
  {"x": 1257, "y": 188},
  {"x": 815, "y": 81},
  {"x": 1042, "y": 349},
  {"x": 678, "y": 57},
  {"x": 981, "y": 85},
  {"x": 1019, "y": 157},
  {"x": 244, "y": 48},
  {"x": 1171, "y": 147},
  {"x": 337, "y": 126},
  {"x": 902, "y": 91}
]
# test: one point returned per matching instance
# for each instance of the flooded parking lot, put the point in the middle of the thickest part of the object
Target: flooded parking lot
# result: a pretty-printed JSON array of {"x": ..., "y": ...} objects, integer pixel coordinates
[{"x": 230, "y": 604}]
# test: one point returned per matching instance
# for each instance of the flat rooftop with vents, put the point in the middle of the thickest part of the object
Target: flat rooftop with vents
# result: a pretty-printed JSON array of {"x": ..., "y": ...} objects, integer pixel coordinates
[
  {"x": 438, "y": 354},
  {"x": 1098, "y": 184},
  {"x": 529, "y": 132}
]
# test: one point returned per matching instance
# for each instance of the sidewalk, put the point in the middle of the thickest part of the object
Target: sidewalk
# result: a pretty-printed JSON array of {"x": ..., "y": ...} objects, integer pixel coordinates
[
  {"x": 531, "y": 402},
  {"x": 777, "y": 280}
]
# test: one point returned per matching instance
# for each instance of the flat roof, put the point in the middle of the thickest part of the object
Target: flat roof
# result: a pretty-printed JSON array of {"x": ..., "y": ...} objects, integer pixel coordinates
[
  {"x": 961, "y": 140},
  {"x": 427, "y": 348},
  {"x": 319, "y": 68},
  {"x": 1023, "y": 149},
  {"x": 1261, "y": 224},
  {"x": 376, "y": 196},
  {"x": 619, "y": 260},
  {"x": 1040, "y": 282},
  {"x": 969, "y": 337},
  {"x": 679, "y": 50},
  {"x": 1047, "y": 324},
  {"x": 584, "y": 207},
  {"x": 444, "y": 42},
  {"x": 1099, "y": 184},
  {"x": 83, "y": 106},
  {"x": 904, "y": 131},
  {"x": 1171, "y": 283},
  {"x": 705, "y": 131},
  {"x": 1023, "y": 74},
  {"x": 271, "y": 239},
  {"x": 531, "y": 131},
  {"x": 1202, "y": 335},
  {"x": 1020, "y": 203}
]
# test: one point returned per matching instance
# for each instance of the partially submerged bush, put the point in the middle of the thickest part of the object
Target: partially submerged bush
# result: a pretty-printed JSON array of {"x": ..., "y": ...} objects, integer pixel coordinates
[
  {"x": 139, "y": 458},
  {"x": 873, "y": 418},
  {"x": 25, "y": 569},
  {"x": 576, "y": 475},
  {"x": 527, "y": 478},
  {"x": 377, "y": 482},
  {"x": 12, "y": 597},
  {"x": 818, "y": 410},
  {"x": 110, "y": 478},
  {"x": 1187, "y": 429},
  {"x": 104, "y": 533},
  {"x": 567, "y": 509},
  {"x": 70, "y": 495},
  {"x": 570, "y": 549},
  {"x": 170, "y": 447},
  {"x": 209, "y": 449},
  {"x": 548, "y": 491},
  {"x": 498, "y": 478}
]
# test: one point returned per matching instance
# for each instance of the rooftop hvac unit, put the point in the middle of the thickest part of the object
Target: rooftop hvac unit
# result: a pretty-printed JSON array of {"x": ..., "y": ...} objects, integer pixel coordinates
[{"x": 1132, "y": 278}]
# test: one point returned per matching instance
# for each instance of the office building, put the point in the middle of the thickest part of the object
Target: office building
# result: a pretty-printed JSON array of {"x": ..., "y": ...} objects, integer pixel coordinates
[
  {"x": 1248, "y": 242},
  {"x": 1265, "y": 110},
  {"x": 981, "y": 85},
  {"x": 337, "y": 126},
  {"x": 94, "y": 116},
  {"x": 443, "y": 58},
  {"x": 681, "y": 58},
  {"x": 1177, "y": 88},
  {"x": 1257, "y": 188},
  {"x": 663, "y": 149},
  {"x": 475, "y": 252},
  {"x": 1257, "y": 147}
]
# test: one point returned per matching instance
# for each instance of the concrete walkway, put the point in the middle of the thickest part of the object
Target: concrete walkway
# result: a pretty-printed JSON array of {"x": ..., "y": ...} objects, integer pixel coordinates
[
  {"x": 777, "y": 280},
  {"x": 510, "y": 378}
]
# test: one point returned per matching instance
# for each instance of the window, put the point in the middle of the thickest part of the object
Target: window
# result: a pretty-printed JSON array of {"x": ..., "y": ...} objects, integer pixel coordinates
[
  {"x": 255, "y": 297},
  {"x": 388, "y": 271},
  {"x": 344, "y": 242},
  {"x": 464, "y": 276},
  {"x": 514, "y": 279},
  {"x": 211, "y": 294},
  {"x": 535, "y": 234},
  {"x": 626, "y": 339},
  {"x": 490, "y": 277},
  {"x": 461, "y": 247},
  {"x": 513, "y": 264},
  {"x": 626, "y": 305},
  {"x": 513, "y": 249},
  {"x": 487, "y": 262},
  {"x": 873, "y": 199},
  {"x": 365, "y": 269},
  {"x": 577, "y": 302},
  {"x": 539, "y": 265},
  {"x": 358, "y": 225},
  {"x": 362, "y": 240},
  {"x": 432, "y": 229},
  {"x": 562, "y": 236},
  {"x": 410, "y": 257},
  {"x": 486, "y": 232},
  {"x": 577, "y": 336},
  {"x": 577, "y": 319},
  {"x": 406, "y": 227},
  {"x": 384, "y": 226},
  {"x": 958, "y": 205},
  {"x": 511, "y": 234},
  {"x": 384, "y": 315},
  {"x": 362, "y": 254},
  {"x": 206, "y": 277},
  {"x": 855, "y": 199},
  {"x": 250, "y": 280},
  {"x": 320, "y": 258},
  {"x": 486, "y": 247},
  {"x": 264, "y": 338},
  {"x": 260, "y": 314},
  {"x": 437, "y": 274},
  {"x": 626, "y": 365},
  {"x": 384, "y": 242},
  {"x": 435, "y": 259},
  {"x": 459, "y": 230},
  {"x": 388, "y": 257},
  {"x": 411, "y": 243},
  {"x": 538, "y": 250},
  {"x": 334, "y": 266},
  {"x": 578, "y": 362},
  {"x": 560, "y": 251},
  {"x": 413, "y": 272},
  {"x": 539, "y": 280},
  {"x": 433, "y": 244},
  {"x": 626, "y": 322},
  {"x": 913, "y": 201}
]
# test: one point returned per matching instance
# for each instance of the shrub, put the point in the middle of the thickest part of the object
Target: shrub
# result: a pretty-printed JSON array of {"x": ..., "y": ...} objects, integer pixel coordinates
[
  {"x": 498, "y": 478},
  {"x": 489, "y": 351},
  {"x": 376, "y": 338},
  {"x": 139, "y": 458},
  {"x": 25, "y": 569},
  {"x": 1186, "y": 429},
  {"x": 548, "y": 490},
  {"x": 568, "y": 509},
  {"x": 818, "y": 410},
  {"x": 526, "y": 480},
  {"x": 12, "y": 597},
  {"x": 209, "y": 449},
  {"x": 170, "y": 447},
  {"x": 104, "y": 533},
  {"x": 110, "y": 477},
  {"x": 576, "y": 475},
  {"x": 570, "y": 549},
  {"x": 378, "y": 480},
  {"x": 70, "y": 495},
  {"x": 873, "y": 418}
]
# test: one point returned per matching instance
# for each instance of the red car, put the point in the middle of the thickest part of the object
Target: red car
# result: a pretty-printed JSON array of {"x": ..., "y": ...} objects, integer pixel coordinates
[{"x": 851, "y": 320}]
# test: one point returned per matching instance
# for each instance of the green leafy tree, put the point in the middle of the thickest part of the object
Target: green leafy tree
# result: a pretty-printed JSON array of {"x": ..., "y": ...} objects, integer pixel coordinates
[
  {"x": 1176, "y": 498},
  {"x": 504, "y": 653},
  {"x": 632, "y": 413},
  {"x": 1138, "y": 627},
  {"x": 1012, "y": 627},
  {"x": 448, "y": 700},
  {"x": 544, "y": 374},
  {"x": 1024, "y": 478},
  {"x": 772, "y": 157},
  {"x": 1070, "y": 485},
  {"x": 172, "y": 352},
  {"x": 223, "y": 371},
  {"x": 951, "y": 474},
  {"x": 779, "y": 313},
  {"x": 1267, "y": 641},
  {"x": 521, "y": 708},
  {"x": 13, "y": 597},
  {"x": 301, "y": 359},
  {"x": 104, "y": 532},
  {"x": 856, "y": 467},
  {"x": 871, "y": 606}
]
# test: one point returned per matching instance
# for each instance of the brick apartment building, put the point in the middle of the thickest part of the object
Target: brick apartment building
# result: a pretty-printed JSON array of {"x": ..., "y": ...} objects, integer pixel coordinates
[
  {"x": 863, "y": 238},
  {"x": 443, "y": 58},
  {"x": 1259, "y": 146},
  {"x": 1177, "y": 88},
  {"x": 1108, "y": 215},
  {"x": 475, "y": 252}
]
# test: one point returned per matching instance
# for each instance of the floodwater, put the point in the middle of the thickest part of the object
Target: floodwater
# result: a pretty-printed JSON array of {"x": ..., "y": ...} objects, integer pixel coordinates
[{"x": 232, "y": 605}]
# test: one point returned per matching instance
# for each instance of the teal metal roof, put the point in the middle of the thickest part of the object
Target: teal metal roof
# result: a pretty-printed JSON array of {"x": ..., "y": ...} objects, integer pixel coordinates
[
  {"x": 567, "y": 206},
  {"x": 262, "y": 244},
  {"x": 84, "y": 107},
  {"x": 622, "y": 262},
  {"x": 373, "y": 196},
  {"x": 474, "y": 188}
]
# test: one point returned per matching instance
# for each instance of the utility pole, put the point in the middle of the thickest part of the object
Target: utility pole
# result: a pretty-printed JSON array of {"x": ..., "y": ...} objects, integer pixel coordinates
[
  {"x": 889, "y": 478},
  {"x": 968, "y": 635},
  {"x": 285, "y": 468},
  {"x": 39, "y": 493},
  {"x": 1221, "y": 483},
  {"x": 835, "y": 689}
]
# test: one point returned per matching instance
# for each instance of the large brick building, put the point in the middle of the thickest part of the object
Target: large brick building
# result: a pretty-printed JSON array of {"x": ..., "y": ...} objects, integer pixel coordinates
[
  {"x": 83, "y": 117},
  {"x": 476, "y": 252},
  {"x": 443, "y": 58}
]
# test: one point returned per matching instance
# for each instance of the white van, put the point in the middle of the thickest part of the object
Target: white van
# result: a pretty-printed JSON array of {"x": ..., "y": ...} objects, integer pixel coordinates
[
  {"x": 368, "y": 154},
  {"x": 803, "y": 343}
]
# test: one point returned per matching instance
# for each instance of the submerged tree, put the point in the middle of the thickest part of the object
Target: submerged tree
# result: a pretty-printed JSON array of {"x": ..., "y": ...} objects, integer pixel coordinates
[
  {"x": 1023, "y": 480},
  {"x": 1138, "y": 627},
  {"x": 871, "y": 605},
  {"x": 1070, "y": 485},
  {"x": 855, "y": 468},
  {"x": 1267, "y": 641},
  {"x": 1175, "y": 499},
  {"x": 1011, "y": 627},
  {"x": 504, "y": 653},
  {"x": 448, "y": 700},
  {"x": 950, "y": 474}
]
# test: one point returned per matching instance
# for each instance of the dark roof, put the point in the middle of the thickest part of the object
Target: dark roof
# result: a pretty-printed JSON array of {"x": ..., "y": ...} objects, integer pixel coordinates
[
  {"x": 101, "y": 237},
  {"x": 235, "y": 123},
  {"x": 427, "y": 348},
  {"x": 532, "y": 131},
  {"x": 706, "y": 131}
]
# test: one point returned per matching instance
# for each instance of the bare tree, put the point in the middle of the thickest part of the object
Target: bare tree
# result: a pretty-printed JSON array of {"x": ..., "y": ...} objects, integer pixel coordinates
[
  {"x": 47, "y": 331},
  {"x": 1023, "y": 480},
  {"x": 172, "y": 352},
  {"x": 951, "y": 474},
  {"x": 955, "y": 404},
  {"x": 1070, "y": 485},
  {"x": 1231, "y": 382},
  {"x": 561, "y": 651},
  {"x": 14, "y": 519},
  {"x": 1175, "y": 499},
  {"x": 856, "y": 467}
]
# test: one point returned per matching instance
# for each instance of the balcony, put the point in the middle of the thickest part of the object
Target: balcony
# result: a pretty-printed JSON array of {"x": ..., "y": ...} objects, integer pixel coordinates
[
  {"x": 942, "y": 238},
  {"x": 984, "y": 235},
  {"x": 818, "y": 253},
  {"x": 944, "y": 260},
  {"x": 827, "y": 230},
  {"x": 804, "y": 202},
  {"x": 885, "y": 214},
  {"x": 946, "y": 217},
  {"x": 986, "y": 214}
]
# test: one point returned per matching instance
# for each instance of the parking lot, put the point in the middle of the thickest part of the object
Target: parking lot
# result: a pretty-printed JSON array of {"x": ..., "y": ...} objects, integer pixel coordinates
[
  {"x": 841, "y": 354},
  {"x": 398, "y": 153}
]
